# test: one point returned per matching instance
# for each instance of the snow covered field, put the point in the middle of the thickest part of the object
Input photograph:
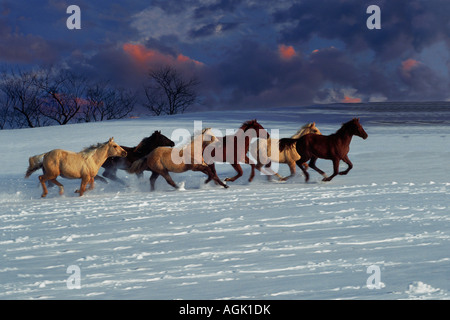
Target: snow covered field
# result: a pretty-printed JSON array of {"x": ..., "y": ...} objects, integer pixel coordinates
[{"x": 259, "y": 240}]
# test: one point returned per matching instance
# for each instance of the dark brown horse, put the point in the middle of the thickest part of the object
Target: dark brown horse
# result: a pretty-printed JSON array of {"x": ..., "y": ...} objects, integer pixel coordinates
[
  {"x": 334, "y": 147},
  {"x": 234, "y": 148},
  {"x": 146, "y": 146}
]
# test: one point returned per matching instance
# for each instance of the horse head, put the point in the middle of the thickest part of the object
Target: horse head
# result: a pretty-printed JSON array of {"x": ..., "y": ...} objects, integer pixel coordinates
[
  {"x": 356, "y": 128},
  {"x": 114, "y": 150},
  {"x": 157, "y": 139},
  {"x": 313, "y": 129},
  {"x": 208, "y": 137},
  {"x": 255, "y": 125}
]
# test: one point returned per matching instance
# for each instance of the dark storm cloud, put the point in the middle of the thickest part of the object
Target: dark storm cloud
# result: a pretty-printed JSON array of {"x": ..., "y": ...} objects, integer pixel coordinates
[
  {"x": 17, "y": 47},
  {"x": 246, "y": 53},
  {"x": 256, "y": 74},
  {"x": 406, "y": 25},
  {"x": 216, "y": 7},
  {"x": 212, "y": 28}
]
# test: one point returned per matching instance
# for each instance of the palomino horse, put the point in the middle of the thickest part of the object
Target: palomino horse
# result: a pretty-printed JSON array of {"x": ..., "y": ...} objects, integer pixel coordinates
[
  {"x": 163, "y": 160},
  {"x": 234, "y": 148},
  {"x": 83, "y": 165},
  {"x": 261, "y": 150},
  {"x": 334, "y": 147},
  {"x": 146, "y": 146}
]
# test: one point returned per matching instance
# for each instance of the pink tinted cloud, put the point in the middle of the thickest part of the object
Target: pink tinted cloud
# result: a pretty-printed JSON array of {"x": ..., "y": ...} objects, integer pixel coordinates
[
  {"x": 409, "y": 64},
  {"x": 286, "y": 52},
  {"x": 144, "y": 56}
]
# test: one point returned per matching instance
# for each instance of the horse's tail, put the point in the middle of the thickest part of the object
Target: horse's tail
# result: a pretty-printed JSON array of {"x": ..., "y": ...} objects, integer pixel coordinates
[
  {"x": 35, "y": 163},
  {"x": 286, "y": 143},
  {"x": 138, "y": 166}
]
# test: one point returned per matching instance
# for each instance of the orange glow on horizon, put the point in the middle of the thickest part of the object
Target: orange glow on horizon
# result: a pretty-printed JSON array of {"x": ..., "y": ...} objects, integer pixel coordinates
[{"x": 348, "y": 99}]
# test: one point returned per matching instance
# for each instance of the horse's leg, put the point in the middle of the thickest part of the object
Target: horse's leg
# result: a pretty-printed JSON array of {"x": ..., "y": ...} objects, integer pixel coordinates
[
  {"x": 335, "y": 170},
  {"x": 61, "y": 187},
  {"x": 101, "y": 179},
  {"x": 42, "y": 180},
  {"x": 252, "y": 174},
  {"x": 349, "y": 163},
  {"x": 270, "y": 172},
  {"x": 211, "y": 175},
  {"x": 111, "y": 173},
  {"x": 212, "y": 167},
  {"x": 168, "y": 178},
  {"x": 239, "y": 171},
  {"x": 291, "y": 165},
  {"x": 300, "y": 164},
  {"x": 91, "y": 183},
  {"x": 153, "y": 178},
  {"x": 84, "y": 182},
  {"x": 312, "y": 164}
]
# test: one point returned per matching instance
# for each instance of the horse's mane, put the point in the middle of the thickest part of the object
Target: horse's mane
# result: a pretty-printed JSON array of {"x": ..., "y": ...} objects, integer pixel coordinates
[
  {"x": 146, "y": 142},
  {"x": 344, "y": 127},
  {"x": 286, "y": 143},
  {"x": 301, "y": 130},
  {"x": 193, "y": 137},
  {"x": 248, "y": 123},
  {"x": 89, "y": 151}
]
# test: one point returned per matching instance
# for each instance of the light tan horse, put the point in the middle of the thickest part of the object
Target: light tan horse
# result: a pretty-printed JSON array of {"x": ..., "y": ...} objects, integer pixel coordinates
[
  {"x": 83, "y": 165},
  {"x": 262, "y": 149},
  {"x": 163, "y": 160}
]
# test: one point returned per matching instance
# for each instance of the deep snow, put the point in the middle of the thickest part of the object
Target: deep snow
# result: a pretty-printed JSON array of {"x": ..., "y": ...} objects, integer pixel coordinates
[{"x": 259, "y": 240}]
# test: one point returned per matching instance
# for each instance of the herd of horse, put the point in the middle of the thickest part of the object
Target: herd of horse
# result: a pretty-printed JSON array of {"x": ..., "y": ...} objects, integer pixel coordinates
[{"x": 156, "y": 154}]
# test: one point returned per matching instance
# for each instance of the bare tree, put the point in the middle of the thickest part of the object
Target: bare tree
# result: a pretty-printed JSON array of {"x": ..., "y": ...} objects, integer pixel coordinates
[
  {"x": 22, "y": 96},
  {"x": 107, "y": 103},
  {"x": 46, "y": 96},
  {"x": 65, "y": 94},
  {"x": 169, "y": 92},
  {"x": 5, "y": 110}
]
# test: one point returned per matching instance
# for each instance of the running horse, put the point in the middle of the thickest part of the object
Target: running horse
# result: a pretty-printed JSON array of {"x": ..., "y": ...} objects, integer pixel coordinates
[
  {"x": 266, "y": 151},
  {"x": 83, "y": 165},
  {"x": 234, "y": 148},
  {"x": 334, "y": 147},
  {"x": 163, "y": 160},
  {"x": 146, "y": 146}
]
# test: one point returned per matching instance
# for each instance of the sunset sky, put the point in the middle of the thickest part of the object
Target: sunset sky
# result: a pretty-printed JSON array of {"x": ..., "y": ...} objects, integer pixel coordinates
[{"x": 246, "y": 53}]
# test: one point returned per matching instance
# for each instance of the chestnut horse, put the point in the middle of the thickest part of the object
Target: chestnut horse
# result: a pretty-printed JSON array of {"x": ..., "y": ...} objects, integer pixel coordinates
[
  {"x": 334, "y": 147},
  {"x": 83, "y": 165},
  {"x": 163, "y": 160},
  {"x": 234, "y": 148},
  {"x": 262, "y": 150},
  {"x": 146, "y": 146}
]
